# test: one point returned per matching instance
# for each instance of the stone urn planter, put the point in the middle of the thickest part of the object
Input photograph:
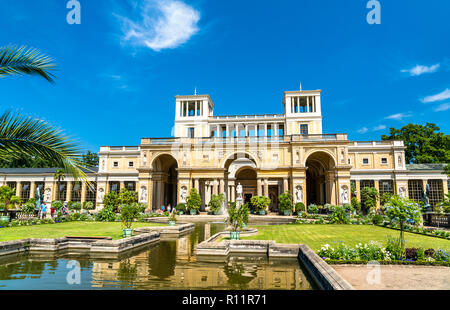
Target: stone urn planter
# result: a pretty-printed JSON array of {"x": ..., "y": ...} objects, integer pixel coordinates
[
  {"x": 192, "y": 212},
  {"x": 216, "y": 212},
  {"x": 127, "y": 232},
  {"x": 287, "y": 212},
  {"x": 262, "y": 212},
  {"x": 172, "y": 223},
  {"x": 235, "y": 235},
  {"x": 4, "y": 218}
]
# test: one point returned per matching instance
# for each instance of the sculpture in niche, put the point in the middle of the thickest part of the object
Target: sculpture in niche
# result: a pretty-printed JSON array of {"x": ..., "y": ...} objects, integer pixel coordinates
[
  {"x": 101, "y": 193},
  {"x": 239, "y": 191},
  {"x": 402, "y": 192},
  {"x": 143, "y": 194},
  {"x": 344, "y": 194},
  {"x": 48, "y": 195},
  {"x": 183, "y": 194},
  {"x": 145, "y": 159},
  {"x": 298, "y": 194}
]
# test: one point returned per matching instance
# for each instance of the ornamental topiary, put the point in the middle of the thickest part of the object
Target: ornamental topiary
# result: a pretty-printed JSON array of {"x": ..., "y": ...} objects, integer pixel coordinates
[
  {"x": 194, "y": 200},
  {"x": 300, "y": 207},
  {"x": 285, "y": 202},
  {"x": 260, "y": 202}
]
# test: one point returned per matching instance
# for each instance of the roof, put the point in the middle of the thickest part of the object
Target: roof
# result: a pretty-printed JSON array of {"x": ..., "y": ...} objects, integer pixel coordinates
[
  {"x": 425, "y": 166},
  {"x": 37, "y": 170}
]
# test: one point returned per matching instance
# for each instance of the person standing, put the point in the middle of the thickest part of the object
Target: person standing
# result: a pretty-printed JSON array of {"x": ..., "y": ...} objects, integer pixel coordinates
[
  {"x": 43, "y": 210},
  {"x": 169, "y": 207},
  {"x": 52, "y": 211}
]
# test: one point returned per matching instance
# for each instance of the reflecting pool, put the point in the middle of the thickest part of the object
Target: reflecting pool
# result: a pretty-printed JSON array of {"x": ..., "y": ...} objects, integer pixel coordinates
[{"x": 170, "y": 264}]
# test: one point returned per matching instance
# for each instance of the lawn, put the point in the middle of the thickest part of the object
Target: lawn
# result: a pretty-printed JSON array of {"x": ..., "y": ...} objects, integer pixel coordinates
[
  {"x": 316, "y": 235},
  {"x": 83, "y": 229}
]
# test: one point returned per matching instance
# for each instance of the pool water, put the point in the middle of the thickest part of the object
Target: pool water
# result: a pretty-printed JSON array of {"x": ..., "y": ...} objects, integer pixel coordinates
[{"x": 170, "y": 264}]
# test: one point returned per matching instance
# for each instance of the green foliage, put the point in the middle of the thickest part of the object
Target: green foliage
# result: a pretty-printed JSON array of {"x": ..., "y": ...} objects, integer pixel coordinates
[
  {"x": 106, "y": 214},
  {"x": 181, "y": 207},
  {"x": 260, "y": 202},
  {"x": 394, "y": 246},
  {"x": 385, "y": 198},
  {"x": 57, "y": 205},
  {"x": 355, "y": 204},
  {"x": 216, "y": 202},
  {"x": 446, "y": 170},
  {"x": 348, "y": 208},
  {"x": 90, "y": 159},
  {"x": 339, "y": 215},
  {"x": 127, "y": 197},
  {"x": 6, "y": 195},
  {"x": 285, "y": 201},
  {"x": 76, "y": 206},
  {"x": 237, "y": 216},
  {"x": 128, "y": 213},
  {"x": 28, "y": 207},
  {"x": 369, "y": 196},
  {"x": 424, "y": 144},
  {"x": 300, "y": 207},
  {"x": 194, "y": 200},
  {"x": 313, "y": 209},
  {"x": 88, "y": 205},
  {"x": 377, "y": 219},
  {"x": 111, "y": 200},
  {"x": 420, "y": 254},
  {"x": 445, "y": 204}
]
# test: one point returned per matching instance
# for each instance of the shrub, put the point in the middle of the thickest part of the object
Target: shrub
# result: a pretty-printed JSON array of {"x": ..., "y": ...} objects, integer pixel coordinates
[
  {"x": 385, "y": 198},
  {"x": 260, "y": 202},
  {"x": 312, "y": 208},
  {"x": 441, "y": 256},
  {"x": 216, "y": 202},
  {"x": 194, "y": 200},
  {"x": 237, "y": 216},
  {"x": 28, "y": 207},
  {"x": 372, "y": 251},
  {"x": 127, "y": 197},
  {"x": 181, "y": 207},
  {"x": 76, "y": 206},
  {"x": 369, "y": 196},
  {"x": 355, "y": 204},
  {"x": 348, "y": 208},
  {"x": 112, "y": 200},
  {"x": 394, "y": 246},
  {"x": 285, "y": 202},
  {"x": 429, "y": 252},
  {"x": 339, "y": 216},
  {"x": 57, "y": 205},
  {"x": 328, "y": 207},
  {"x": 300, "y": 207},
  {"x": 106, "y": 214},
  {"x": 128, "y": 213},
  {"x": 420, "y": 254},
  {"x": 377, "y": 219},
  {"x": 88, "y": 205},
  {"x": 410, "y": 253}
]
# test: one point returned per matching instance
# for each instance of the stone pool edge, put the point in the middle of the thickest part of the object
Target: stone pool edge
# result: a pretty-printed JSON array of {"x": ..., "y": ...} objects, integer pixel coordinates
[
  {"x": 146, "y": 235},
  {"x": 322, "y": 273}
]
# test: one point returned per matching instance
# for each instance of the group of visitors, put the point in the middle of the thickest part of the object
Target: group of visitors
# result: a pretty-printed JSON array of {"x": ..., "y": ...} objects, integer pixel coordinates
[
  {"x": 169, "y": 208},
  {"x": 43, "y": 210}
]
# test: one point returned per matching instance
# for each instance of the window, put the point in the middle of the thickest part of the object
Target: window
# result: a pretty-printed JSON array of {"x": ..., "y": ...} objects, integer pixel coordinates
[
  {"x": 386, "y": 186},
  {"x": 281, "y": 130},
  {"x": 384, "y": 160},
  {"x": 436, "y": 192},
  {"x": 114, "y": 187},
  {"x": 415, "y": 189},
  {"x": 353, "y": 188},
  {"x": 304, "y": 129},
  {"x": 91, "y": 193},
  {"x": 11, "y": 184},
  {"x": 367, "y": 183},
  {"x": 40, "y": 185},
  {"x": 76, "y": 191},
  {"x": 130, "y": 186},
  {"x": 191, "y": 132},
  {"x": 25, "y": 193},
  {"x": 349, "y": 161},
  {"x": 62, "y": 191},
  {"x": 365, "y": 161},
  {"x": 131, "y": 164},
  {"x": 116, "y": 164}
]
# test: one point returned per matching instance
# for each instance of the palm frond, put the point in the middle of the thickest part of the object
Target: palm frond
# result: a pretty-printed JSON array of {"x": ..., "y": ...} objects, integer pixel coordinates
[
  {"x": 25, "y": 136},
  {"x": 21, "y": 60}
]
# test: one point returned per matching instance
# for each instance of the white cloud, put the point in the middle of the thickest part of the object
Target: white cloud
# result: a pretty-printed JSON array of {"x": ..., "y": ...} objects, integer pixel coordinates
[
  {"x": 419, "y": 70},
  {"x": 438, "y": 97},
  {"x": 379, "y": 127},
  {"x": 363, "y": 130},
  {"x": 442, "y": 107},
  {"x": 398, "y": 116},
  {"x": 164, "y": 24}
]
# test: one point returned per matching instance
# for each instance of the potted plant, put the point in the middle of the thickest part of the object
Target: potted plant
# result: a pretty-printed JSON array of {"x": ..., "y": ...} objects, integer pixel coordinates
[
  {"x": 260, "y": 203},
  {"x": 76, "y": 206},
  {"x": 181, "y": 208},
  {"x": 236, "y": 219},
  {"x": 173, "y": 218},
  {"x": 216, "y": 203},
  {"x": 285, "y": 203},
  {"x": 194, "y": 201},
  {"x": 300, "y": 208},
  {"x": 128, "y": 212}
]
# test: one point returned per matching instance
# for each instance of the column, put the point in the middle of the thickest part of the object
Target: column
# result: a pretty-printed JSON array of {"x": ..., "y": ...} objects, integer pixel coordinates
[
  {"x": 222, "y": 186},
  {"x": 358, "y": 190},
  {"x": 33, "y": 189},
  {"x": 246, "y": 130},
  {"x": 122, "y": 185},
  {"x": 275, "y": 129},
  {"x": 259, "y": 187},
  {"x": 83, "y": 192},
  {"x": 285, "y": 185},
  {"x": 265, "y": 130},
  {"x": 228, "y": 131},
  {"x": 233, "y": 193},
  {"x": 445, "y": 186},
  {"x": 377, "y": 186},
  {"x": 197, "y": 184},
  {"x": 266, "y": 187},
  {"x": 215, "y": 187},
  {"x": 69, "y": 190},
  {"x": 18, "y": 189}
]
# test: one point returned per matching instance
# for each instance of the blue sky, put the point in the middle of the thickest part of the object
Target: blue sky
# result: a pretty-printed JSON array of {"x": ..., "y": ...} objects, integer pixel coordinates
[{"x": 120, "y": 69}]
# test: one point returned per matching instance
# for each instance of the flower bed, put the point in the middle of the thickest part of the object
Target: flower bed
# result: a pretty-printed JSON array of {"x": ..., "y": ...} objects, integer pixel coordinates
[{"x": 420, "y": 230}]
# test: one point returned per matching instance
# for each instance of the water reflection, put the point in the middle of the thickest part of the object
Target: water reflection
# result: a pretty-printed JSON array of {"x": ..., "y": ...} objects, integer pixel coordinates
[{"x": 171, "y": 264}]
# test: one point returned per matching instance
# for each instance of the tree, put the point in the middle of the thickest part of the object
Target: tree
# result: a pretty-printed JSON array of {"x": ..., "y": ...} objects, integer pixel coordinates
[
  {"x": 194, "y": 200},
  {"x": 424, "y": 144},
  {"x": 446, "y": 170},
  {"x": 90, "y": 159},
  {"x": 111, "y": 200},
  {"x": 369, "y": 197},
  {"x": 21, "y": 60},
  {"x": 216, "y": 202},
  {"x": 237, "y": 216},
  {"x": 403, "y": 210},
  {"x": 285, "y": 201},
  {"x": 127, "y": 197},
  {"x": 7, "y": 197}
]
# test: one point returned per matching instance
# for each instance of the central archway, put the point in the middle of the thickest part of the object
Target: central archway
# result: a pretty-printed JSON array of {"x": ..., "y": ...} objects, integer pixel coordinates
[
  {"x": 165, "y": 178},
  {"x": 247, "y": 177},
  {"x": 319, "y": 166}
]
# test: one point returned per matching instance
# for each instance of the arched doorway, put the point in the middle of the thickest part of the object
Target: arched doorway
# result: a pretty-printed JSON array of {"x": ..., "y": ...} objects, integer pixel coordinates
[
  {"x": 240, "y": 168},
  {"x": 247, "y": 177},
  {"x": 165, "y": 179},
  {"x": 319, "y": 178}
]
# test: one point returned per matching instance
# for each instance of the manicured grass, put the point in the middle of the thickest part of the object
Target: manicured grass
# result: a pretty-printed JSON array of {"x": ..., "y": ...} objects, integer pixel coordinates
[
  {"x": 82, "y": 229},
  {"x": 315, "y": 235}
]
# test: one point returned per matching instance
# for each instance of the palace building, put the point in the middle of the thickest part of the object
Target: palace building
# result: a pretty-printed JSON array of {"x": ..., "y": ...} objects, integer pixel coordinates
[{"x": 267, "y": 154}]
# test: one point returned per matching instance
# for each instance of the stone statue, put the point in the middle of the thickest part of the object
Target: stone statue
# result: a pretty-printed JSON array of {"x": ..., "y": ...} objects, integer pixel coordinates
[
  {"x": 101, "y": 193},
  {"x": 298, "y": 194},
  {"x": 344, "y": 194},
  {"x": 39, "y": 197},
  {"x": 239, "y": 191},
  {"x": 402, "y": 192},
  {"x": 183, "y": 194},
  {"x": 48, "y": 195},
  {"x": 145, "y": 159},
  {"x": 425, "y": 199},
  {"x": 143, "y": 194}
]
